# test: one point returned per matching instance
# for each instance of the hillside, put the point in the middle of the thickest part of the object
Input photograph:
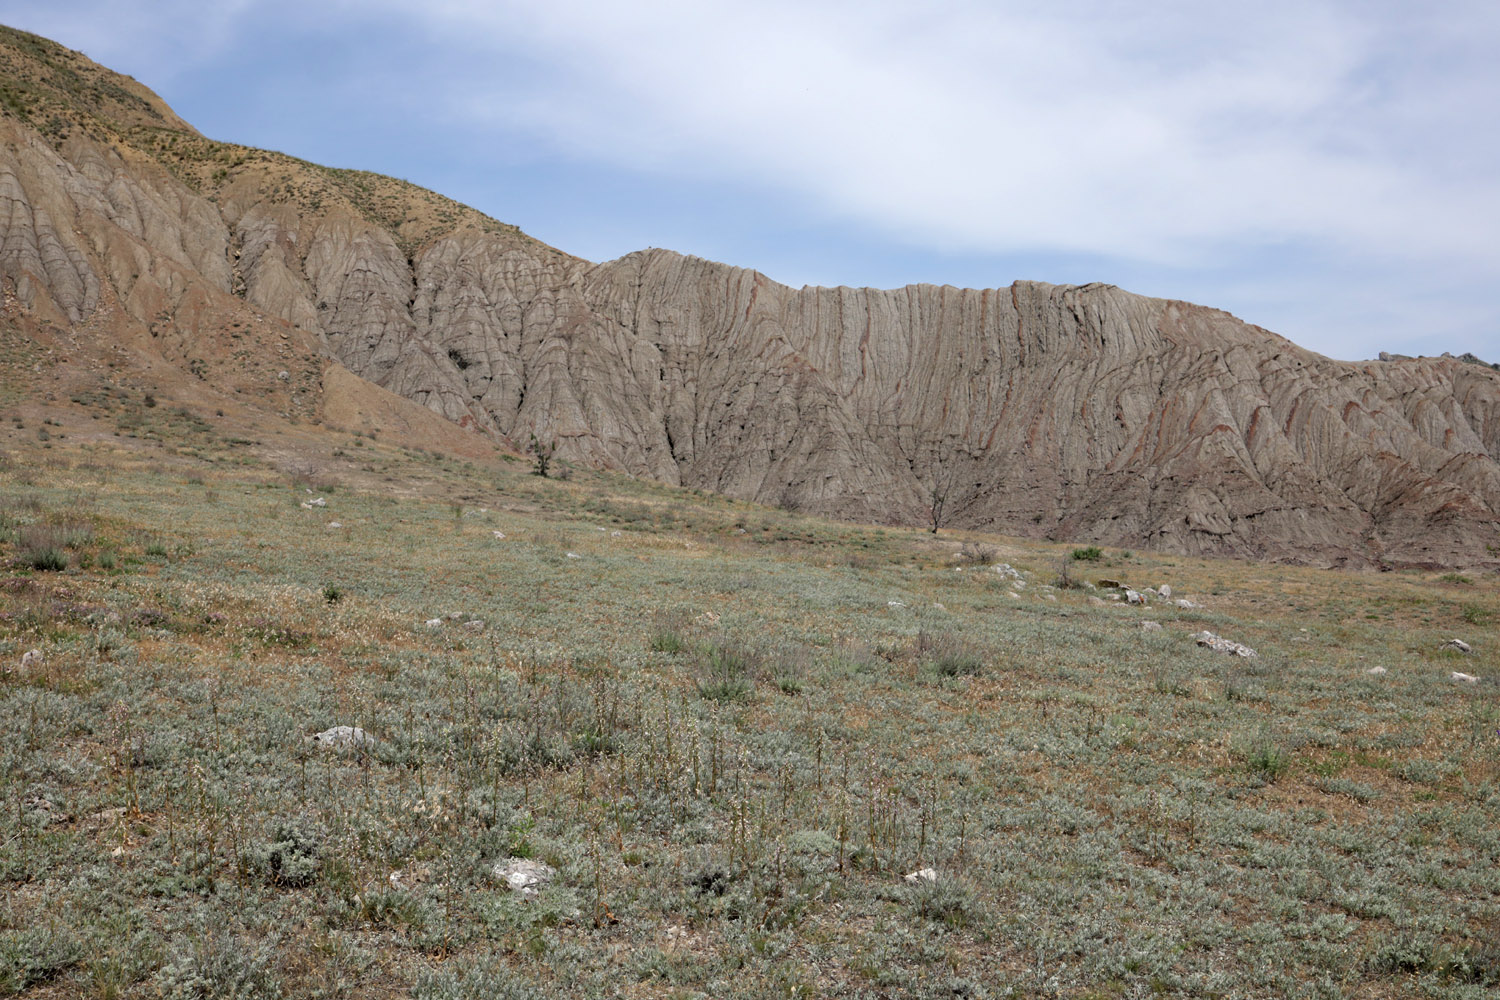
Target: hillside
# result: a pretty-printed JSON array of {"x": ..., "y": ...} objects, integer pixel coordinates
[
  {"x": 729, "y": 732},
  {"x": 1070, "y": 413}
]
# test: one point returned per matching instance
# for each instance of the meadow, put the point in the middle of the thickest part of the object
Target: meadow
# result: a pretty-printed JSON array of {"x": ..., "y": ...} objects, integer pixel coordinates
[{"x": 731, "y": 731}]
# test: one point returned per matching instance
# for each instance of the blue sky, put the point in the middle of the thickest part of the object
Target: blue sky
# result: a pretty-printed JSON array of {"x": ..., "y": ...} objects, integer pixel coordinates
[{"x": 1328, "y": 170}]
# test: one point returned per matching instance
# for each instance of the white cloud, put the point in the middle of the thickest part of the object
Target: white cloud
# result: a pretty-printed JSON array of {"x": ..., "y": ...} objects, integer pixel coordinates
[{"x": 1073, "y": 127}]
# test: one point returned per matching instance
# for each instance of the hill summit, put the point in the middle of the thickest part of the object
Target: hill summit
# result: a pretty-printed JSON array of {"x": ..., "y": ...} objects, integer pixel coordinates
[{"x": 136, "y": 248}]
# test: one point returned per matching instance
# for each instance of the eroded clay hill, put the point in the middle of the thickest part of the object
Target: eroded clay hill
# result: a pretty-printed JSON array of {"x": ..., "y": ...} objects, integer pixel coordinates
[{"x": 1081, "y": 413}]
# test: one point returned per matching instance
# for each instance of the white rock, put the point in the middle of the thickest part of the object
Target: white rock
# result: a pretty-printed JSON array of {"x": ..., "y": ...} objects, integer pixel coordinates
[
  {"x": 1165, "y": 590},
  {"x": 1463, "y": 678},
  {"x": 1185, "y": 604},
  {"x": 1375, "y": 671},
  {"x": 1050, "y": 597},
  {"x": 616, "y": 534},
  {"x": 1221, "y": 645},
  {"x": 345, "y": 736},
  {"x": 454, "y": 616},
  {"x": 283, "y": 375},
  {"x": 335, "y": 524},
  {"x": 1013, "y": 595},
  {"x": 523, "y": 875},
  {"x": 1150, "y": 626},
  {"x": 317, "y": 502},
  {"x": 474, "y": 625},
  {"x": 894, "y": 604},
  {"x": 574, "y": 555},
  {"x": 499, "y": 534},
  {"x": 31, "y": 658},
  {"x": 1458, "y": 644},
  {"x": 921, "y": 876},
  {"x": 434, "y": 623}
]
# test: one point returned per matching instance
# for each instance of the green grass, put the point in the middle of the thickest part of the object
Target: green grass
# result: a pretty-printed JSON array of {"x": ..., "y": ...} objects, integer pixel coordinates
[{"x": 732, "y": 730}]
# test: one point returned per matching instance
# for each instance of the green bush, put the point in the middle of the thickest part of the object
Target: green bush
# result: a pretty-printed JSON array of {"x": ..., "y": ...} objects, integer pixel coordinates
[
  {"x": 728, "y": 673},
  {"x": 47, "y": 559},
  {"x": 1267, "y": 760},
  {"x": 667, "y": 640},
  {"x": 216, "y": 967},
  {"x": 34, "y": 955},
  {"x": 291, "y": 859},
  {"x": 1091, "y": 553}
]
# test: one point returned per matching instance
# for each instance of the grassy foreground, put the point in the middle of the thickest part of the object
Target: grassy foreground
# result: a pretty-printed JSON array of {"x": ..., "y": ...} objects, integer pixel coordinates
[{"x": 732, "y": 731}]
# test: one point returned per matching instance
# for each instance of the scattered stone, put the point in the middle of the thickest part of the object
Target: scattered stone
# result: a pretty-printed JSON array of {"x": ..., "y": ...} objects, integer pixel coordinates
[
  {"x": 454, "y": 616},
  {"x": 1185, "y": 604},
  {"x": 105, "y": 817},
  {"x": 335, "y": 524},
  {"x": 474, "y": 625},
  {"x": 499, "y": 534},
  {"x": 283, "y": 375},
  {"x": 1050, "y": 597},
  {"x": 940, "y": 607},
  {"x": 434, "y": 623},
  {"x": 710, "y": 617},
  {"x": 1098, "y": 602},
  {"x": 1463, "y": 678},
  {"x": 894, "y": 604},
  {"x": 1375, "y": 671},
  {"x": 922, "y": 876},
  {"x": 315, "y": 502},
  {"x": 1222, "y": 645},
  {"x": 574, "y": 555},
  {"x": 1013, "y": 595},
  {"x": 31, "y": 658},
  {"x": 1008, "y": 571},
  {"x": 1458, "y": 644},
  {"x": 523, "y": 875},
  {"x": 1165, "y": 590},
  {"x": 340, "y": 737},
  {"x": 1150, "y": 626},
  {"x": 616, "y": 534}
]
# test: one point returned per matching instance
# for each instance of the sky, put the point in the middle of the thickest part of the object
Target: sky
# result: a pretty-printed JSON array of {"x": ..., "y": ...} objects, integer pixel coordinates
[{"x": 1327, "y": 169}]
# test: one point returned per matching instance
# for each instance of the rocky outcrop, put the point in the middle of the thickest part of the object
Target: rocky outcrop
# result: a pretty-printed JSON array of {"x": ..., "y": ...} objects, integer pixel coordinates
[{"x": 1065, "y": 412}]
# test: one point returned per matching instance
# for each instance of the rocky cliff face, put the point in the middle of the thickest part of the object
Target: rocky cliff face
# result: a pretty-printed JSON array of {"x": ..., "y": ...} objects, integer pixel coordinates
[{"x": 1082, "y": 413}]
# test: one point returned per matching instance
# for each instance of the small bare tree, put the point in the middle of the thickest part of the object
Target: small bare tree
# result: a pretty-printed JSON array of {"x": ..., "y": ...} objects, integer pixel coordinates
[{"x": 950, "y": 465}]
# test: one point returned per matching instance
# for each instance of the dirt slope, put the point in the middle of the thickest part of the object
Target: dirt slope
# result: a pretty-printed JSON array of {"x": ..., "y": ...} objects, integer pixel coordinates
[{"x": 1081, "y": 413}]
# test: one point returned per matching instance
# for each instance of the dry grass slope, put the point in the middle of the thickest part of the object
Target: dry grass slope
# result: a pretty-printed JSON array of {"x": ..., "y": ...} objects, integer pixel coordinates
[{"x": 731, "y": 730}]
